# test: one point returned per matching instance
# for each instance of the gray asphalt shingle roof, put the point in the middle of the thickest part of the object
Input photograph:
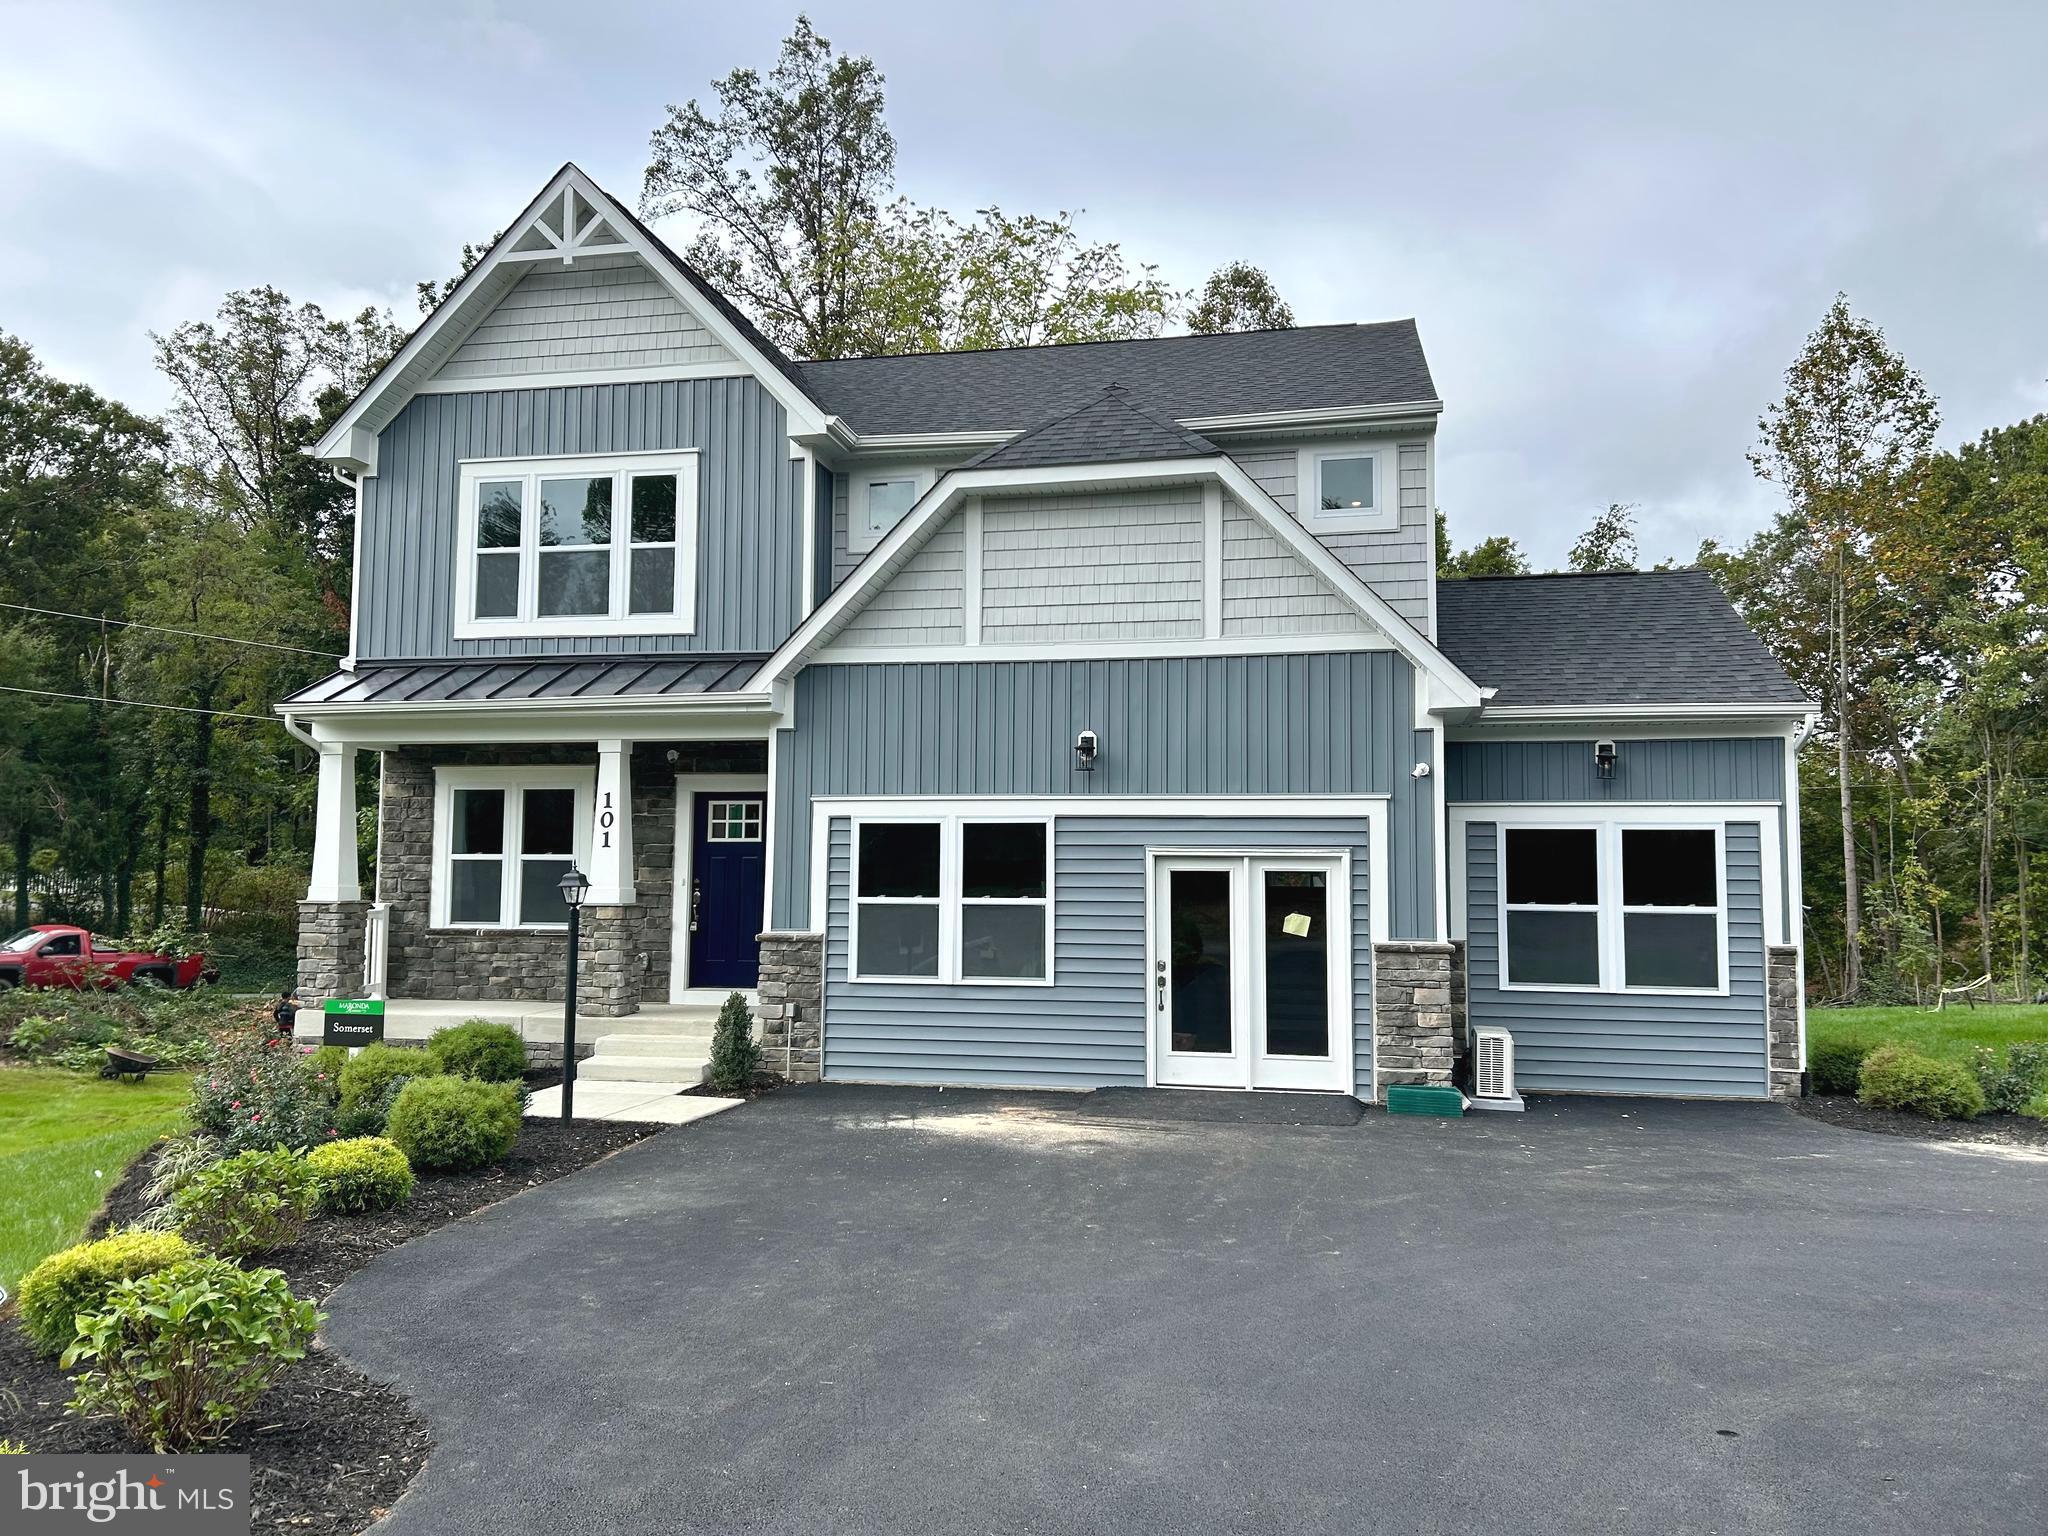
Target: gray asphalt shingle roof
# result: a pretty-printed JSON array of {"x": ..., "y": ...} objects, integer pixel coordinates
[
  {"x": 1626, "y": 637},
  {"x": 563, "y": 677},
  {"x": 1012, "y": 388},
  {"x": 1110, "y": 429}
]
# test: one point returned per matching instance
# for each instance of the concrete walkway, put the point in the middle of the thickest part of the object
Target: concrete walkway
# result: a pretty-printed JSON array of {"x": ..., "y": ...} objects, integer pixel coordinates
[
  {"x": 649, "y": 1103},
  {"x": 841, "y": 1310}
]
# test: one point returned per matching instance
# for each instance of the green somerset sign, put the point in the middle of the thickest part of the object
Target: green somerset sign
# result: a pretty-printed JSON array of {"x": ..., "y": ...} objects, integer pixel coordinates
[{"x": 352, "y": 1021}]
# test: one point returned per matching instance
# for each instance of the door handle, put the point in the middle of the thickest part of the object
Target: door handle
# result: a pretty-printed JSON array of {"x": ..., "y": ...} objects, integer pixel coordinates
[
  {"x": 1160, "y": 981},
  {"x": 696, "y": 896}
]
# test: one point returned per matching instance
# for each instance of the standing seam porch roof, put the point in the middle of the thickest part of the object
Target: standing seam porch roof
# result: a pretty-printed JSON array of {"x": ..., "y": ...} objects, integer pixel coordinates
[{"x": 519, "y": 681}]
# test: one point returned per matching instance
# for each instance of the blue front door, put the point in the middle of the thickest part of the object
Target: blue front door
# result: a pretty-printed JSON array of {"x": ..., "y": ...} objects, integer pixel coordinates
[{"x": 728, "y": 872}]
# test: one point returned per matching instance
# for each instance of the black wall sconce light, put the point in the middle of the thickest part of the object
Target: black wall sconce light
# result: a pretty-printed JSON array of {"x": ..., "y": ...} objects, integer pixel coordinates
[
  {"x": 1603, "y": 759},
  {"x": 1085, "y": 749}
]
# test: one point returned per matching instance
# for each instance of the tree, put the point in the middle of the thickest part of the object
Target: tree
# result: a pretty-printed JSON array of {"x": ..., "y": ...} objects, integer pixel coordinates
[
  {"x": 431, "y": 294},
  {"x": 1495, "y": 556},
  {"x": 1609, "y": 544},
  {"x": 1849, "y": 444},
  {"x": 1239, "y": 297},
  {"x": 789, "y": 177}
]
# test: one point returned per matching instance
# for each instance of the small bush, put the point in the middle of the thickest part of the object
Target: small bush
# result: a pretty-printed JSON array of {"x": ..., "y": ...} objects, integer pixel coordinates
[
  {"x": 735, "y": 1058},
  {"x": 255, "y": 1093},
  {"x": 12, "y": 1448},
  {"x": 489, "y": 1053},
  {"x": 454, "y": 1123},
  {"x": 1897, "y": 1078},
  {"x": 1836, "y": 1065},
  {"x": 178, "y": 1158},
  {"x": 365, "y": 1173},
  {"x": 254, "y": 1202},
  {"x": 323, "y": 1066},
  {"x": 78, "y": 1280},
  {"x": 370, "y": 1081},
  {"x": 179, "y": 1355},
  {"x": 2013, "y": 1083}
]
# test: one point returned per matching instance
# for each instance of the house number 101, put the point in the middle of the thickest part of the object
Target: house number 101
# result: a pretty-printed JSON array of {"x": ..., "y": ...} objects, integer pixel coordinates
[{"x": 606, "y": 820}]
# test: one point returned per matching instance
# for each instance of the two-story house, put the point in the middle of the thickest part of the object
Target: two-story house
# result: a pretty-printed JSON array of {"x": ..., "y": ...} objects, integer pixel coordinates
[{"x": 1059, "y": 716}]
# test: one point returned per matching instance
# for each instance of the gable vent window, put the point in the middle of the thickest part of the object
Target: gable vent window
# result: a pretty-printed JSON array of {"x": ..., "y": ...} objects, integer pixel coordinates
[{"x": 558, "y": 547}]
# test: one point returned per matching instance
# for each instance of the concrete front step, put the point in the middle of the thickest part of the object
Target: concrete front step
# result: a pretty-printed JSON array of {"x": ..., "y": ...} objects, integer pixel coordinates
[
  {"x": 682, "y": 1071},
  {"x": 652, "y": 1045}
]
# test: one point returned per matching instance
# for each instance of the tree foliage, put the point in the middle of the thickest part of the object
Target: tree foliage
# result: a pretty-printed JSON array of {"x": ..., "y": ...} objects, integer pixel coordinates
[
  {"x": 1609, "y": 544},
  {"x": 1239, "y": 297},
  {"x": 1498, "y": 555}
]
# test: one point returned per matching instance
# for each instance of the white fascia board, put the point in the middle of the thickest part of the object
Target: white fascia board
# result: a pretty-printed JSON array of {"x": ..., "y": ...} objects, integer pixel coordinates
[
  {"x": 804, "y": 415},
  {"x": 1454, "y": 690},
  {"x": 398, "y": 726},
  {"x": 1610, "y": 714},
  {"x": 688, "y": 703},
  {"x": 1316, "y": 416}
]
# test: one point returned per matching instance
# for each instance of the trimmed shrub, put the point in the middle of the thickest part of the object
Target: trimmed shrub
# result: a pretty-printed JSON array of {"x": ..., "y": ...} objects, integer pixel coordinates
[
  {"x": 1837, "y": 1065},
  {"x": 323, "y": 1065},
  {"x": 454, "y": 1123},
  {"x": 489, "y": 1053},
  {"x": 255, "y": 1092},
  {"x": 181, "y": 1354},
  {"x": 78, "y": 1280},
  {"x": 370, "y": 1081},
  {"x": 735, "y": 1058},
  {"x": 1897, "y": 1078},
  {"x": 2013, "y": 1083},
  {"x": 253, "y": 1202},
  {"x": 365, "y": 1173},
  {"x": 12, "y": 1448}
]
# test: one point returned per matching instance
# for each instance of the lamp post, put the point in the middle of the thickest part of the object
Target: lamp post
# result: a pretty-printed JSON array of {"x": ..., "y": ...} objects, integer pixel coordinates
[{"x": 575, "y": 886}]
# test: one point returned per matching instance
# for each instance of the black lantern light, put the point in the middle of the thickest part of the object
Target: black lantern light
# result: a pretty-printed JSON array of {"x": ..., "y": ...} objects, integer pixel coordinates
[
  {"x": 575, "y": 886},
  {"x": 1085, "y": 748},
  {"x": 1603, "y": 759}
]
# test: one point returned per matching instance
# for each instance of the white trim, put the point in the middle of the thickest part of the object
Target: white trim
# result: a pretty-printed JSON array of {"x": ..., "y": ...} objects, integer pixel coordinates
[
  {"x": 688, "y": 787},
  {"x": 334, "y": 873},
  {"x": 808, "y": 503},
  {"x": 1384, "y": 516},
  {"x": 1212, "y": 561},
  {"x": 860, "y": 479},
  {"x": 1429, "y": 503},
  {"x": 1794, "y": 932},
  {"x": 1512, "y": 714},
  {"x": 951, "y": 900},
  {"x": 931, "y": 442},
  {"x": 515, "y": 780},
  {"x": 530, "y": 472},
  {"x": 1097, "y": 650},
  {"x": 650, "y": 373},
  {"x": 355, "y": 592},
  {"x": 611, "y": 843},
  {"x": 1485, "y": 728},
  {"x": 970, "y": 572},
  {"x": 1458, "y": 692},
  {"x": 1313, "y": 416}
]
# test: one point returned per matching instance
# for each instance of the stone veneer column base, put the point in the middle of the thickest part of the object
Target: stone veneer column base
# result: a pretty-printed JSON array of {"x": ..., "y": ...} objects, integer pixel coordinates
[
  {"x": 331, "y": 949},
  {"x": 793, "y": 1005},
  {"x": 607, "y": 965},
  {"x": 1461, "y": 1026},
  {"x": 1781, "y": 987},
  {"x": 1412, "y": 1034}
]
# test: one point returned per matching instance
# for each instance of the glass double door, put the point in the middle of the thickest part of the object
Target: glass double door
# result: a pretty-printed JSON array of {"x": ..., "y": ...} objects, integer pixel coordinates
[{"x": 1250, "y": 972}]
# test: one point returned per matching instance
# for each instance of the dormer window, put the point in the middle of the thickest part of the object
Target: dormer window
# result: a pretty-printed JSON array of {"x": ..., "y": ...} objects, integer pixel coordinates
[
  {"x": 877, "y": 502},
  {"x": 1348, "y": 488},
  {"x": 560, "y": 547}
]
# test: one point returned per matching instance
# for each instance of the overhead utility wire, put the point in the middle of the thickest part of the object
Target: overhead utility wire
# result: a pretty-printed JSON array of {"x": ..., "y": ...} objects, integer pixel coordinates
[{"x": 189, "y": 634}]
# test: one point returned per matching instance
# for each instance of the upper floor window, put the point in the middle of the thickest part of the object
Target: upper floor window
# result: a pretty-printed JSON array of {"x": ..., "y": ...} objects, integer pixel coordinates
[
  {"x": 877, "y": 500},
  {"x": 1348, "y": 488},
  {"x": 602, "y": 545}
]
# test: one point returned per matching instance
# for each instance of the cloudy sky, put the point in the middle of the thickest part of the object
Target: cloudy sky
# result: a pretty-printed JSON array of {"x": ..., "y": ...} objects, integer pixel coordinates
[{"x": 1614, "y": 223}]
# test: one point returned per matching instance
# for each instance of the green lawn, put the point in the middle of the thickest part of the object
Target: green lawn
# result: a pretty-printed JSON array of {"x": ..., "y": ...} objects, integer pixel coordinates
[
  {"x": 64, "y": 1139},
  {"x": 1951, "y": 1034}
]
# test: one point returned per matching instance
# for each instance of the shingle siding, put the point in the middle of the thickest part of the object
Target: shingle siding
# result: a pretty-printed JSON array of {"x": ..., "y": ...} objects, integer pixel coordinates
[
  {"x": 922, "y": 603},
  {"x": 603, "y": 313},
  {"x": 1269, "y": 590},
  {"x": 1110, "y": 566}
]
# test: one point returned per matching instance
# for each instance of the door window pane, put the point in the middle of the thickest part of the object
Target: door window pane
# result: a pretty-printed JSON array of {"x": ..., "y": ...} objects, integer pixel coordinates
[
  {"x": 1004, "y": 859},
  {"x": 475, "y": 889},
  {"x": 1003, "y": 941},
  {"x": 497, "y": 586},
  {"x": 1553, "y": 866},
  {"x": 1554, "y": 949},
  {"x": 898, "y": 939},
  {"x": 899, "y": 858},
  {"x": 1297, "y": 963},
  {"x": 1198, "y": 907},
  {"x": 654, "y": 509},
  {"x": 1672, "y": 949},
  {"x": 479, "y": 821},
  {"x": 653, "y": 587},
  {"x": 548, "y": 821},
  {"x": 540, "y": 891},
  {"x": 733, "y": 821},
  {"x": 576, "y": 510},
  {"x": 1664, "y": 867},
  {"x": 1346, "y": 485},
  {"x": 575, "y": 585}
]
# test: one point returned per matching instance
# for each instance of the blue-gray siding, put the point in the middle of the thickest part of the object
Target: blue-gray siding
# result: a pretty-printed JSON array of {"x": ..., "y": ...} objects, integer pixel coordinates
[
  {"x": 1732, "y": 768},
  {"x": 749, "y": 531},
  {"x": 1323, "y": 724},
  {"x": 1088, "y": 1029},
  {"x": 1620, "y": 1042}
]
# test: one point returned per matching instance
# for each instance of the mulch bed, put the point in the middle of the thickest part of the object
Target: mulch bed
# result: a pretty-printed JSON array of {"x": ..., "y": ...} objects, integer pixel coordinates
[
  {"x": 330, "y": 1450},
  {"x": 1987, "y": 1130},
  {"x": 764, "y": 1084}
]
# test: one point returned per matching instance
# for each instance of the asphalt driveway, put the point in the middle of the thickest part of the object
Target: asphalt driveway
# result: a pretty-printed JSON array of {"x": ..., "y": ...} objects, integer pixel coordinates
[{"x": 856, "y": 1310}]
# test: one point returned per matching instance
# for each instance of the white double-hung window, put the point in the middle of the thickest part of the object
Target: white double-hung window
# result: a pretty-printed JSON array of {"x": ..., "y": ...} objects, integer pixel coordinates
[
  {"x": 953, "y": 899},
  {"x": 557, "y": 547},
  {"x": 503, "y": 839}
]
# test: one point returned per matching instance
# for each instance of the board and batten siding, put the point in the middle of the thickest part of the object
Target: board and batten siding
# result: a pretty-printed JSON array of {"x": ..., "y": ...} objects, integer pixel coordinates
[
  {"x": 1504, "y": 772},
  {"x": 749, "y": 522},
  {"x": 1087, "y": 1030},
  {"x": 607, "y": 312},
  {"x": 1313, "y": 724},
  {"x": 1114, "y": 565},
  {"x": 1399, "y": 566},
  {"x": 1622, "y": 1042}
]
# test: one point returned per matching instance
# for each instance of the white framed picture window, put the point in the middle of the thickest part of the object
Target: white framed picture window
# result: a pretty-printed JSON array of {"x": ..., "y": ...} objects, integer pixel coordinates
[
  {"x": 503, "y": 839},
  {"x": 877, "y": 500},
  {"x": 577, "y": 546},
  {"x": 1348, "y": 487},
  {"x": 954, "y": 900}
]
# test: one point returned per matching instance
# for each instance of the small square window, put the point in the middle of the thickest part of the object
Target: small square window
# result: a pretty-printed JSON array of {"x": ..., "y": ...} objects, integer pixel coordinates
[
  {"x": 1348, "y": 488},
  {"x": 1347, "y": 485},
  {"x": 732, "y": 821}
]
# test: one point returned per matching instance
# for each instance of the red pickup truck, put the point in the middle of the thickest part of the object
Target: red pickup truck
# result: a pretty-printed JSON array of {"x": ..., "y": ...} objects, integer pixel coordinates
[{"x": 59, "y": 955}]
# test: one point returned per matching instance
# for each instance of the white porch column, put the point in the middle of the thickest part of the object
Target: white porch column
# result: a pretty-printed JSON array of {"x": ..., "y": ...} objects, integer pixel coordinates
[
  {"x": 334, "y": 827},
  {"x": 611, "y": 837}
]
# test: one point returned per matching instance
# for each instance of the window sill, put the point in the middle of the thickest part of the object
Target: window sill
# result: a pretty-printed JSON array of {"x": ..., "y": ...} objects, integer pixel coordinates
[
  {"x": 532, "y": 928},
  {"x": 1376, "y": 522},
  {"x": 574, "y": 629}
]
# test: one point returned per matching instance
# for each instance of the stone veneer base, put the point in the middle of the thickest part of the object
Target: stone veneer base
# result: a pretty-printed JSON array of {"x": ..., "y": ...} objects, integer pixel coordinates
[
  {"x": 792, "y": 992},
  {"x": 1781, "y": 988},
  {"x": 331, "y": 949},
  {"x": 1413, "y": 1037}
]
